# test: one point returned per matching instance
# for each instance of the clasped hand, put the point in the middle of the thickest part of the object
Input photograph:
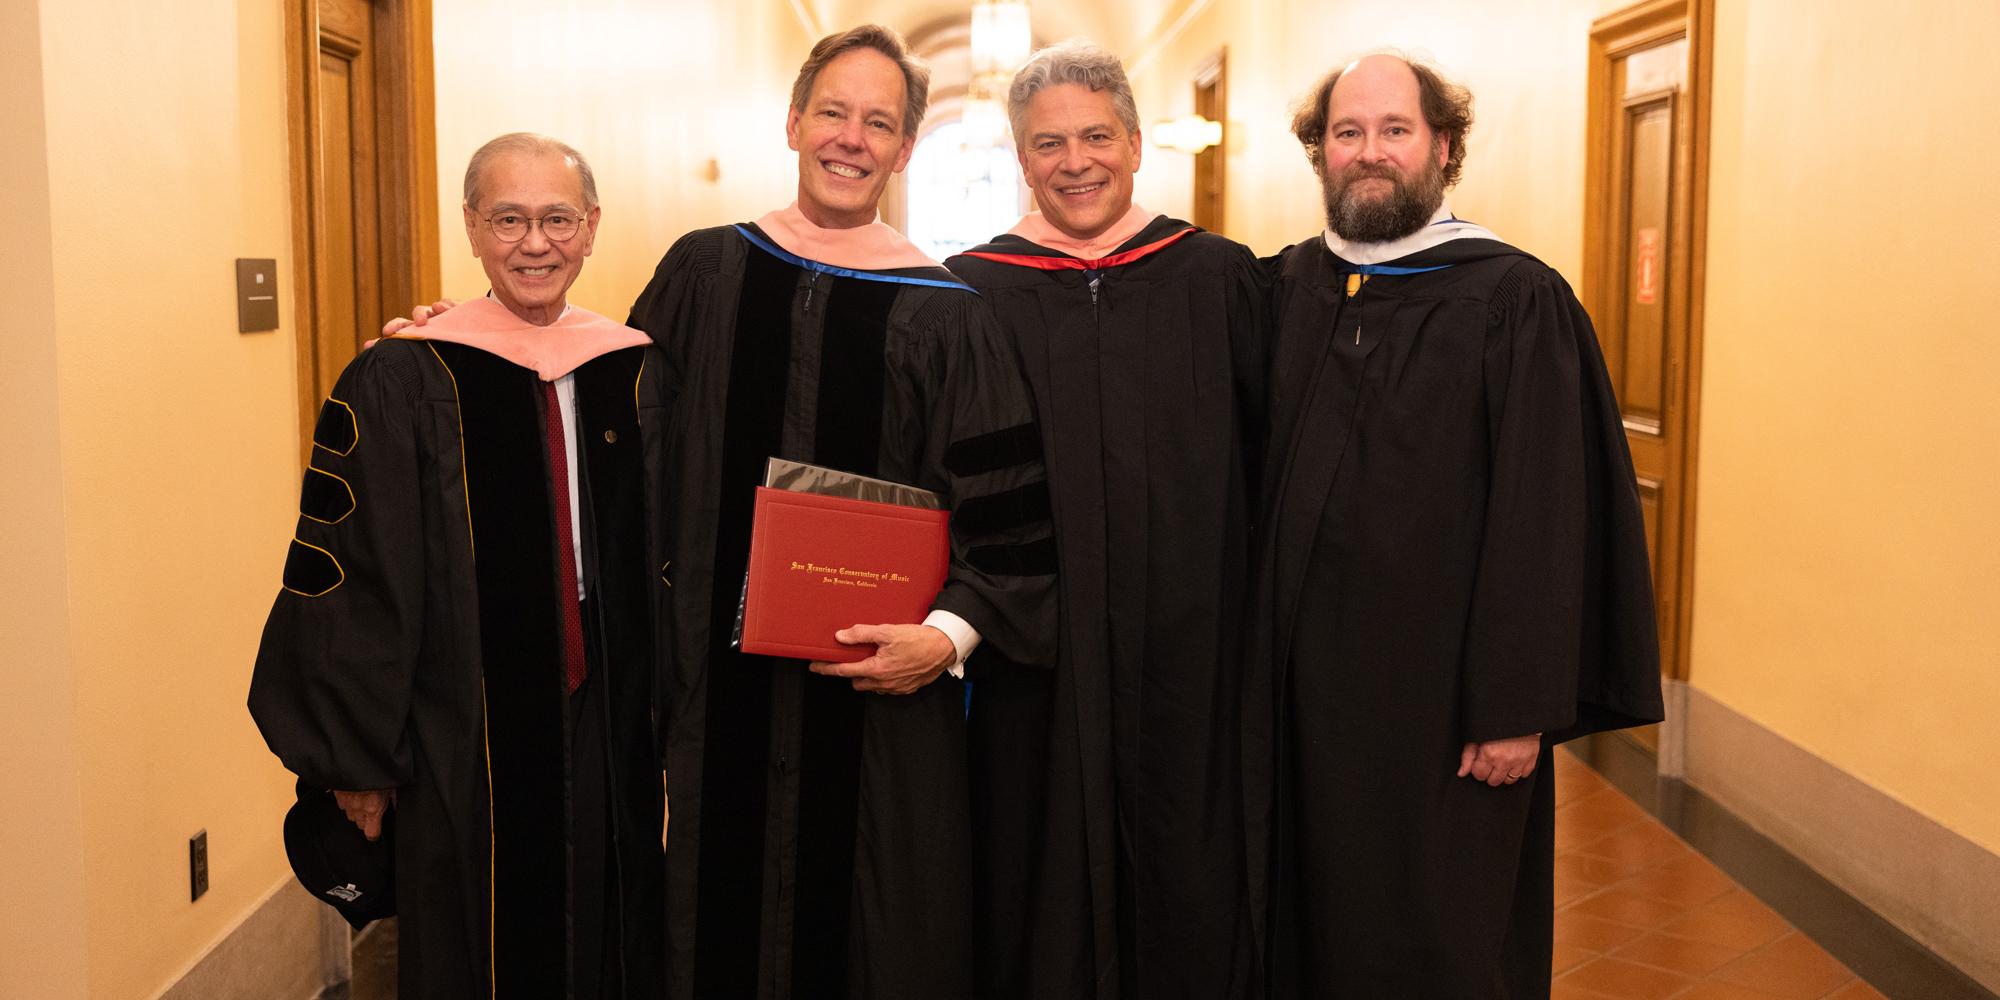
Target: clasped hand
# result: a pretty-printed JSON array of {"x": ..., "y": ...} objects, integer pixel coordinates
[
  {"x": 907, "y": 657},
  {"x": 366, "y": 809},
  {"x": 1500, "y": 762}
]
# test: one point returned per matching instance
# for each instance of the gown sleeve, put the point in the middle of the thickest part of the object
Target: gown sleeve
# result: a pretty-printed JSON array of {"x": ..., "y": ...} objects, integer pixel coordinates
[
  {"x": 1251, "y": 333},
  {"x": 672, "y": 310},
  {"x": 654, "y": 395},
  {"x": 332, "y": 686},
  {"x": 1561, "y": 637},
  {"x": 666, "y": 308},
  {"x": 982, "y": 451}
]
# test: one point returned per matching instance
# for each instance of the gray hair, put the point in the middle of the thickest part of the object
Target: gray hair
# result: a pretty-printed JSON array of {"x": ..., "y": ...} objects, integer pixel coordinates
[
  {"x": 528, "y": 143},
  {"x": 1074, "y": 61}
]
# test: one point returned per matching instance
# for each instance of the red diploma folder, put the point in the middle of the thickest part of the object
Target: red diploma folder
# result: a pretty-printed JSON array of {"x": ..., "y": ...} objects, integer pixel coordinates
[{"x": 821, "y": 563}]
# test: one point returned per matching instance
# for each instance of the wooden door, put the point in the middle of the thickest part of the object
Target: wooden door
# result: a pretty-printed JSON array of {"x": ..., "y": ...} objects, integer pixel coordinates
[
  {"x": 364, "y": 178},
  {"x": 1642, "y": 269},
  {"x": 1211, "y": 181},
  {"x": 347, "y": 245}
]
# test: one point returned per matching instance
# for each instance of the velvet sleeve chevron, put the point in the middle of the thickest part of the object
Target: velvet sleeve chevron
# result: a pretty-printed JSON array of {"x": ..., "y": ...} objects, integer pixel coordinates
[
  {"x": 983, "y": 452},
  {"x": 332, "y": 685}
]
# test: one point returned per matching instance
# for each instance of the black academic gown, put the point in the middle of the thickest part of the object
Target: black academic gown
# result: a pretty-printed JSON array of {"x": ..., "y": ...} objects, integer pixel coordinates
[
  {"x": 527, "y": 818},
  {"x": 1106, "y": 791},
  {"x": 818, "y": 840},
  {"x": 1455, "y": 553}
]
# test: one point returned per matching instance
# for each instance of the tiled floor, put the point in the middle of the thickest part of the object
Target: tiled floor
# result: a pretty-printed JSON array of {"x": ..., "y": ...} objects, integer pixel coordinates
[
  {"x": 1641, "y": 916},
  {"x": 374, "y": 967}
]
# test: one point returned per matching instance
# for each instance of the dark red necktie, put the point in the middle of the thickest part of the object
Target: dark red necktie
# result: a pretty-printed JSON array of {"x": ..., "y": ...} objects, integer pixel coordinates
[{"x": 566, "y": 601}]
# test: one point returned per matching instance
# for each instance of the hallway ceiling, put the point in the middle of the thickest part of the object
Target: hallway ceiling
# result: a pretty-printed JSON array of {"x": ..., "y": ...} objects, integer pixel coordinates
[{"x": 1121, "y": 27}]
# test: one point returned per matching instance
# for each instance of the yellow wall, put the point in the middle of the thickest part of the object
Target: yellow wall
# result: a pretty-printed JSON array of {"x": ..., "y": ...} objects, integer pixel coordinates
[
  {"x": 43, "y": 921},
  {"x": 1270, "y": 195},
  {"x": 1524, "y": 63},
  {"x": 1845, "y": 586},
  {"x": 165, "y": 159},
  {"x": 649, "y": 92}
]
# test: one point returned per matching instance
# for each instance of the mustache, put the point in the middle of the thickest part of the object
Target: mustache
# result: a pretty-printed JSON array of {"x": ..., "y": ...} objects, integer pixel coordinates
[{"x": 1363, "y": 173}]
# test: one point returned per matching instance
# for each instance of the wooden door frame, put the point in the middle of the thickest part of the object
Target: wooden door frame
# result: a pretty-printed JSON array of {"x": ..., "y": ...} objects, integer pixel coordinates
[
  {"x": 1612, "y": 37},
  {"x": 1215, "y": 70},
  {"x": 406, "y": 171}
]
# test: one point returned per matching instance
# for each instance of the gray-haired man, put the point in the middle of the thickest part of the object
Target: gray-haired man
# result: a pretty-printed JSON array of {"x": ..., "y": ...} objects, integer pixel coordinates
[
  {"x": 500, "y": 711},
  {"x": 1106, "y": 790}
]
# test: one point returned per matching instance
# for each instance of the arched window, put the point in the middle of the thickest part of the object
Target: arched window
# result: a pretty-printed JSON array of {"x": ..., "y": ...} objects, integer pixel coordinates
[{"x": 960, "y": 197}]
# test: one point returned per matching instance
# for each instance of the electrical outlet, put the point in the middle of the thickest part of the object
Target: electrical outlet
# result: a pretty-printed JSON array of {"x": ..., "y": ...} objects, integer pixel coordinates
[{"x": 197, "y": 864}]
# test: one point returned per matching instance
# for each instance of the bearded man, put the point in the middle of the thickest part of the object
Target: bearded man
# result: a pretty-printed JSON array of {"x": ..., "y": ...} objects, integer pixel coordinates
[{"x": 1454, "y": 569}]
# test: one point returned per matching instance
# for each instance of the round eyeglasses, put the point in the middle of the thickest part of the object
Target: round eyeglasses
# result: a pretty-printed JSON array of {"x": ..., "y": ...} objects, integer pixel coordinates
[{"x": 512, "y": 227}]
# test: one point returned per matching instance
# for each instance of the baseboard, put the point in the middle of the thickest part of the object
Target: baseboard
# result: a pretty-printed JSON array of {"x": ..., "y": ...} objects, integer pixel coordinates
[
  {"x": 290, "y": 947},
  {"x": 1672, "y": 752},
  {"x": 1932, "y": 883}
]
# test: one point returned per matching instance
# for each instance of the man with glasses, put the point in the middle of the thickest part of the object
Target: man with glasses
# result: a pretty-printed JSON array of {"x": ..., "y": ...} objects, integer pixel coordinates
[{"x": 500, "y": 710}]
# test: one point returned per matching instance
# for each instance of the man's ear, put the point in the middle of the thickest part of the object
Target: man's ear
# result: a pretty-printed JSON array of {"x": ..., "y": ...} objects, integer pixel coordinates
[
  {"x": 792, "y": 128},
  {"x": 903, "y": 155},
  {"x": 590, "y": 228},
  {"x": 1443, "y": 143},
  {"x": 472, "y": 221}
]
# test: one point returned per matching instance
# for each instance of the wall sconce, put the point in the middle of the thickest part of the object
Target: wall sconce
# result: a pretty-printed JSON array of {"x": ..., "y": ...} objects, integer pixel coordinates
[{"x": 1190, "y": 135}]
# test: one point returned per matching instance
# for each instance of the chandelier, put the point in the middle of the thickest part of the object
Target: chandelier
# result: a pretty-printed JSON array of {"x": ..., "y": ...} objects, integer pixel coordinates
[
  {"x": 1000, "y": 35},
  {"x": 1001, "y": 40}
]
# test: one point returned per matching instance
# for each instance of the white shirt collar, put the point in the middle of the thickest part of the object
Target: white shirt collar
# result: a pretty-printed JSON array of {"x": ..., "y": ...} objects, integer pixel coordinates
[{"x": 1443, "y": 228}]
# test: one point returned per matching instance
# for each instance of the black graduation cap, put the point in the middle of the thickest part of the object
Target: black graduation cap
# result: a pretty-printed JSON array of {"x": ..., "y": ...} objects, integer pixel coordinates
[{"x": 336, "y": 863}]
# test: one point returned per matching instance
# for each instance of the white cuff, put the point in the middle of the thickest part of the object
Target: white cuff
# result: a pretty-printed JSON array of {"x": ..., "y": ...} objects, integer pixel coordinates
[{"x": 963, "y": 636}]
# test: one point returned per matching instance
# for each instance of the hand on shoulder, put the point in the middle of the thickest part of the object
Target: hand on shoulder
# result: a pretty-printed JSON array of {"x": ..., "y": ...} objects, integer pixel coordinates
[{"x": 417, "y": 317}]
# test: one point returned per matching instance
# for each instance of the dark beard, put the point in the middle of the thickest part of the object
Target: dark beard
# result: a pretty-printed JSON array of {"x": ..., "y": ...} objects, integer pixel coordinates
[{"x": 1406, "y": 209}]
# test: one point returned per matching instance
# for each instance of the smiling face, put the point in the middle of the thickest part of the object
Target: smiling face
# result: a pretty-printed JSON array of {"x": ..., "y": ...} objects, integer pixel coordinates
[
  {"x": 1384, "y": 173},
  {"x": 531, "y": 276},
  {"x": 850, "y": 138},
  {"x": 1078, "y": 159}
]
